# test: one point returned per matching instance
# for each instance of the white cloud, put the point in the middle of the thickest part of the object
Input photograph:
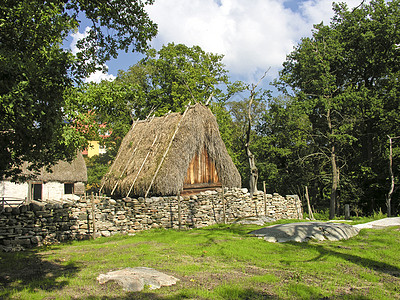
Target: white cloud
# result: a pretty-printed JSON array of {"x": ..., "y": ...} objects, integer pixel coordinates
[
  {"x": 252, "y": 34},
  {"x": 98, "y": 75},
  {"x": 316, "y": 11}
]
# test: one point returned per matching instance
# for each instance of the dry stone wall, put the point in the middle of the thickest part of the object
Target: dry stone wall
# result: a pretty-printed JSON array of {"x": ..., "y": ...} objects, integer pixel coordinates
[{"x": 33, "y": 224}]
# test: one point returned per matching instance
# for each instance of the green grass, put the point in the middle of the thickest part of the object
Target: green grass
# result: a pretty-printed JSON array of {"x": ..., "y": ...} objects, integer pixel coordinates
[{"x": 216, "y": 262}]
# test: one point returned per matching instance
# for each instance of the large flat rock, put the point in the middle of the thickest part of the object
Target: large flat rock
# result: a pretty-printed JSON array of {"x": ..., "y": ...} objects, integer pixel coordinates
[
  {"x": 305, "y": 231},
  {"x": 135, "y": 279}
]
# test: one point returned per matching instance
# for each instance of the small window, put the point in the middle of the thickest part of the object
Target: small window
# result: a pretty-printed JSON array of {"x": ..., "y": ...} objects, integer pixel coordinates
[{"x": 68, "y": 188}]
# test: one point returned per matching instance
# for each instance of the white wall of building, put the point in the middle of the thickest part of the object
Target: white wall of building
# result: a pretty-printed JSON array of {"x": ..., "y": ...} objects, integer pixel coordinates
[
  {"x": 15, "y": 190},
  {"x": 50, "y": 191}
]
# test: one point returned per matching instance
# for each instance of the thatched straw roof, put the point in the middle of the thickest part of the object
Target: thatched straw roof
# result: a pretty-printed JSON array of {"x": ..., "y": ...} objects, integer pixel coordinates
[
  {"x": 144, "y": 146},
  {"x": 74, "y": 171}
]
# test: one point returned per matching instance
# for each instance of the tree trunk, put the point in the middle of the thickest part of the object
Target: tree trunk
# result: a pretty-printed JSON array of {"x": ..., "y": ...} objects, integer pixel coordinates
[
  {"x": 389, "y": 196},
  {"x": 335, "y": 183},
  {"x": 335, "y": 171},
  {"x": 253, "y": 171},
  {"x": 310, "y": 213},
  {"x": 252, "y": 163}
]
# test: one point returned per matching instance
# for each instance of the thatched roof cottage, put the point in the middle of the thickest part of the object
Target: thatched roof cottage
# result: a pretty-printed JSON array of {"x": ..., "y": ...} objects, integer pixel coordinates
[
  {"x": 65, "y": 181},
  {"x": 171, "y": 154}
]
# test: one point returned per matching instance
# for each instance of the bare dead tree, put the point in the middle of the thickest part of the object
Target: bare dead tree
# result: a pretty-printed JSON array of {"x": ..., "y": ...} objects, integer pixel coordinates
[
  {"x": 389, "y": 196},
  {"x": 253, "y": 168}
]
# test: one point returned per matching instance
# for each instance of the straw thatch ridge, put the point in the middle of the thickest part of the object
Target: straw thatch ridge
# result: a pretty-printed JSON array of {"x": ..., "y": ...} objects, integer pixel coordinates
[
  {"x": 62, "y": 171},
  {"x": 198, "y": 131}
]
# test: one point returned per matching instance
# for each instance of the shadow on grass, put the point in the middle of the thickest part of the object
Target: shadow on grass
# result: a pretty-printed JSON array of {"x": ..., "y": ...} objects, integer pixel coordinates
[
  {"x": 355, "y": 259},
  {"x": 226, "y": 293},
  {"x": 27, "y": 270},
  {"x": 326, "y": 250}
]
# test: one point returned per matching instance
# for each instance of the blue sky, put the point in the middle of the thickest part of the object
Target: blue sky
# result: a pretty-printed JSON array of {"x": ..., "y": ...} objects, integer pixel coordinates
[{"x": 253, "y": 35}]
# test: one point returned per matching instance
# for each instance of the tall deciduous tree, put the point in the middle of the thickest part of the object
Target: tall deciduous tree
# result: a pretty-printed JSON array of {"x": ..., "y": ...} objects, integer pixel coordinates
[
  {"x": 179, "y": 74},
  {"x": 36, "y": 72},
  {"x": 345, "y": 78},
  {"x": 285, "y": 138}
]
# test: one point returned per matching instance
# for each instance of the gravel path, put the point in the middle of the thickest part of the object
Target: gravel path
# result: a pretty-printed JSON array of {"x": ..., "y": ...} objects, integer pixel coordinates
[{"x": 380, "y": 223}]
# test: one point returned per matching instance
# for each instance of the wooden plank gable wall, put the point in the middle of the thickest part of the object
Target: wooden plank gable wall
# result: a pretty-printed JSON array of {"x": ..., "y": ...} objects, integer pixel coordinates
[{"x": 201, "y": 173}]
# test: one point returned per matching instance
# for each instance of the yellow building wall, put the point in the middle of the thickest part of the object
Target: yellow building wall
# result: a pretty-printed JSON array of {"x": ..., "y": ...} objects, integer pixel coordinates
[{"x": 94, "y": 148}]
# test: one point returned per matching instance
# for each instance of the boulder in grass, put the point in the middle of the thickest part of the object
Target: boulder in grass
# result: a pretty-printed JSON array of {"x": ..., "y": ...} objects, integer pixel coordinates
[
  {"x": 135, "y": 279},
  {"x": 305, "y": 231}
]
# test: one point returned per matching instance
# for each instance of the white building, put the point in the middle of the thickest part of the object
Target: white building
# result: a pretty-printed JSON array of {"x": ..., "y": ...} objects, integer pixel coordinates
[{"x": 66, "y": 181}]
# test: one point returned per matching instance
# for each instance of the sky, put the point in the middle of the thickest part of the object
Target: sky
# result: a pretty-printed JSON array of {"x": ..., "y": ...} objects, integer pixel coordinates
[{"x": 253, "y": 35}]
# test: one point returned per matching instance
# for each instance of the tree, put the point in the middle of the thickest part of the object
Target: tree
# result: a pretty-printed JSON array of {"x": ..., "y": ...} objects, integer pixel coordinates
[
  {"x": 252, "y": 163},
  {"x": 345, "y": 79},
  {"x": 283, "y": 140},
  {"x": 163, "y": 81},
  {"x": 104, "y": 107},
  {"x": 246, "y": 115},
  {"x": 37, "y": 73},
  {"x": 392, "y": 180},
  {"x": 179, "y": 74}
]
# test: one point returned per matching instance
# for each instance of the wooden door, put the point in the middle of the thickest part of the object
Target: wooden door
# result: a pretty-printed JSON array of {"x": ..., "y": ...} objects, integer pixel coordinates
[{"x": 201, "y": 172}]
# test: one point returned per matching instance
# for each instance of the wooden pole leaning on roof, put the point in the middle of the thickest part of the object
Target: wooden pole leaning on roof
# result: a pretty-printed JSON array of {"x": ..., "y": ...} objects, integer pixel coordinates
[
  {"x": 209, "y": 99},
  {"x": 130, "y": 159},
  {"x": 145, "y": 159},
  {"x": 141, "y": 167},
  {"x": 166, "y": 151}
]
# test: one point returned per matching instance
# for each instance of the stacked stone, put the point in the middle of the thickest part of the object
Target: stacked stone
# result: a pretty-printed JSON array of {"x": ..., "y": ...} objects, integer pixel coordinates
[{"x": 31, "y": 225}]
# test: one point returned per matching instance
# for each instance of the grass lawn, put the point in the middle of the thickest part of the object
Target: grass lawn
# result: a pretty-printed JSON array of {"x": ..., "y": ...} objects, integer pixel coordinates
[{"x": 217, "y": 262}]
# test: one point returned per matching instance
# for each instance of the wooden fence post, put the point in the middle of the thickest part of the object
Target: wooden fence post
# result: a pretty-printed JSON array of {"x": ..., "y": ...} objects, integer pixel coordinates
[
  {"x": 347, "y": 211},
  {"x": 179, "y": 211},
  {"x": 223, "y": 204},
  {"x": 93, "y": 217},
  {"x": 265, "y": 198}
]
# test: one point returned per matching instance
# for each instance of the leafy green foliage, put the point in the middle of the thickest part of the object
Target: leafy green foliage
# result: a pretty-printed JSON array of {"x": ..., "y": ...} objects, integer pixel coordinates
[
  {"x": 344, "y": 82},
  {"x": 37, "y": 74},
  {"x": 178, "y": 74},
  {"x": 104, "y": 108},
  {"x": 97, "y": 167},
  {"x": 282, "y": 147}
]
